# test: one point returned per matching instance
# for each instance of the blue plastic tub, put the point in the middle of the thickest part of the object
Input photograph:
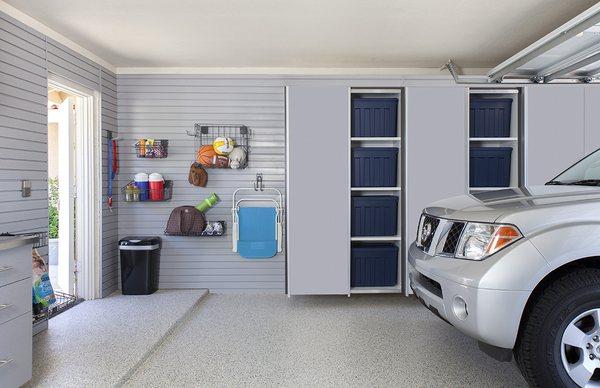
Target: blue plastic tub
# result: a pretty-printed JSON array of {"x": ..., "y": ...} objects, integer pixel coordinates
[
  {"x": 490, "y": 117},
  {"x": 374, "y": 117},
  {"x": 374, "y": 265},
  {"x": 490, "y": 166},
  {"x": 375, "y": 215},
  {"x": 374, "y": 166}
]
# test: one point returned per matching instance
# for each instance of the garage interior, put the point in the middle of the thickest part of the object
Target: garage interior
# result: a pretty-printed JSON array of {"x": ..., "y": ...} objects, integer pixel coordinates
[{"x": 295, "y": 85}]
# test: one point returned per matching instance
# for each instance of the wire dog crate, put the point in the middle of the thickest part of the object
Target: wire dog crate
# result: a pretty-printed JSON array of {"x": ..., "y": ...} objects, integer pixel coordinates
[{"x": 206, "y": 134}]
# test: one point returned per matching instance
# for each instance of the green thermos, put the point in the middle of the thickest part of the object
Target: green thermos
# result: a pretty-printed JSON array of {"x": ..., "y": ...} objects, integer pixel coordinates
[{"x": 208, "y": 203}]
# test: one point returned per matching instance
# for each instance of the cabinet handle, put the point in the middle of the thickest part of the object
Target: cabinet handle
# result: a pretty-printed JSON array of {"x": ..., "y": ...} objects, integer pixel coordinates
[
  {"x": 4, "y": 363},
  {"x": 5, "y": 306},
  {"x": 6, "y": 268}
]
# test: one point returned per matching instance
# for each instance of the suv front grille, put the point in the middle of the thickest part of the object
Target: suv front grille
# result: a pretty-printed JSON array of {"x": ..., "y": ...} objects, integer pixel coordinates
[
  {"x": 431, "y": 223},
  {"x": 444, "y": 242},
  {"x": 453, "y": 237}
]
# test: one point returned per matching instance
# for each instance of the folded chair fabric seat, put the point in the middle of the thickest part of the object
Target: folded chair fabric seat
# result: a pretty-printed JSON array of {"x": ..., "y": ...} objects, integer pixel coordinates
[{"x": 257, "y": 232}]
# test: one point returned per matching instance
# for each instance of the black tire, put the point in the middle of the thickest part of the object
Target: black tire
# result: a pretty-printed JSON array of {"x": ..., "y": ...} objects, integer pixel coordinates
[{"x": 538, "y": 348}]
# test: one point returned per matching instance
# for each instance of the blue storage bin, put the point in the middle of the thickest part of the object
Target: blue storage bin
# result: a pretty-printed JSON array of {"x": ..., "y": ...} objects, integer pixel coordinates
[
  {"x": 374, "y": 166},
  {"x": 490, "y": 166},
  {"x": 375, "y": 215},
  {"x": 374, "y": 265},
  {"x": 490, "y": 117},
  {"x": 374, "y": 117}
]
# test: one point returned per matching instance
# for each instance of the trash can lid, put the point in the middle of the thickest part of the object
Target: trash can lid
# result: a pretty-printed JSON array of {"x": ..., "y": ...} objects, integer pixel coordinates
[{"x": 140, "y": 241}]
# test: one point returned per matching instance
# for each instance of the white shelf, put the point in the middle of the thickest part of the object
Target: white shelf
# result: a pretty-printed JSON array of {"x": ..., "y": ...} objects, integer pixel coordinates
[
  {"x": 376, "y": 189},
  {"x": 376, "y": 238},
  {"x": 494, "y": 91},
  {"x": 375, "y": 138},
  {"x": 499, "y": 139},
  {"x": 376, "y": 290},
  {"x": 490, "y": 188},
  {"x": 375, "y": 91}
]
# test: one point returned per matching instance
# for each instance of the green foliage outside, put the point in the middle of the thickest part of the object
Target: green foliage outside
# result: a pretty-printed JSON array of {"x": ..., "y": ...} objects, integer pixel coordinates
[{"x": 53, "y": 208}]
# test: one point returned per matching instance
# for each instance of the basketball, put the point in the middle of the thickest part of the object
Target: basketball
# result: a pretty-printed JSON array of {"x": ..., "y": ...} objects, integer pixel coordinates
[
  {"x": 223, "y": 145},
  {"x": 206, "y": 156}
]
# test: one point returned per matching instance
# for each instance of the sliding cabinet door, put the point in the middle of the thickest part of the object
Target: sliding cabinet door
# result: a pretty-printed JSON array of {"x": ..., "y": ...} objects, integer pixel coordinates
[
  {"x": 318, "y": 217},
  {"x": 592, "y": 118},
  {"x": 555, "y": 130},
  {"x": 436, "y": 149}
]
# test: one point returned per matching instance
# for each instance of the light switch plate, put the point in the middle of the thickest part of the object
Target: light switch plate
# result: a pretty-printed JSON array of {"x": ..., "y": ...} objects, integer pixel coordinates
[{"x": 25, "y": 188}]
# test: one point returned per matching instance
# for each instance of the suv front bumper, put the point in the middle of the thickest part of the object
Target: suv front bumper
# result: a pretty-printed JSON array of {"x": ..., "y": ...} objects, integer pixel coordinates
[{"x": 493, "y": 315}]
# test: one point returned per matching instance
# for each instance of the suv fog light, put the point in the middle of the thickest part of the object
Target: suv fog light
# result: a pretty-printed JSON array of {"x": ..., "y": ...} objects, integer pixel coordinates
[{"x": 459, "y": 307}]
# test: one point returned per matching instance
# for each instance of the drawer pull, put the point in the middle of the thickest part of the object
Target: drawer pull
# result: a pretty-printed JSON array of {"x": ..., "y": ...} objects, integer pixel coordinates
[
  {"x": 5, "y": 362},
  {"x": 6, "y": 268},
  {"x": 5, "y": 306}
]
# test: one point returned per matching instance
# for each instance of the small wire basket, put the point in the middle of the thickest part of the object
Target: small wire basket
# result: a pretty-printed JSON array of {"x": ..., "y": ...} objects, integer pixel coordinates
[
  {"x": 131, "y": 192},
  {"x": 206, "y": 134},
  {"x": 152, "y": 148}
]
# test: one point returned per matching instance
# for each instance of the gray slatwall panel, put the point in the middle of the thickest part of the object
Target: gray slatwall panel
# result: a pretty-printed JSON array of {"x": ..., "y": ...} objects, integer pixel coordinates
[
  {"x": 24, "y": 65},
  {"x": 23, "y": 122},
  {"x": 109, "y": 219},
  {"x": 165, "y": 107},
  {"x": 69, "y": 64}
]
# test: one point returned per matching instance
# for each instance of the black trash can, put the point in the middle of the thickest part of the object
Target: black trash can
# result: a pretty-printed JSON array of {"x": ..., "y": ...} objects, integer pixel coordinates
[{"x": 140, "y": 263}]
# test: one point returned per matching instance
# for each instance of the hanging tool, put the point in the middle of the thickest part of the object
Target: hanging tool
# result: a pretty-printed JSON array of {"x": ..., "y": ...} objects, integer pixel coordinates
[{"x": 113, "y": 165}]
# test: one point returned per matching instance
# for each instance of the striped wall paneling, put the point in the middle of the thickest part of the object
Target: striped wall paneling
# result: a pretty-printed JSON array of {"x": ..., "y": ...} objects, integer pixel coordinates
[
  {"x": 164, "y": 107},
  {"x": 26, "y": 58}
]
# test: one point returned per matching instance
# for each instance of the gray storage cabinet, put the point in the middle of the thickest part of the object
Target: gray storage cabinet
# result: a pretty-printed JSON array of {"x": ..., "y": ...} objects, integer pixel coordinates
[
  {"x": 555, "y": 130},
  {"x": 592, "y": 118},
  {"x": 318, "y": 181},
  {"x": 436, "y": 150}
]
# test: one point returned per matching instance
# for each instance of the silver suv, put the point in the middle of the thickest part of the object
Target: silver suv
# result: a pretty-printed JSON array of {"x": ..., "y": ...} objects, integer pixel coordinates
[{"x": 519, "y": 270}]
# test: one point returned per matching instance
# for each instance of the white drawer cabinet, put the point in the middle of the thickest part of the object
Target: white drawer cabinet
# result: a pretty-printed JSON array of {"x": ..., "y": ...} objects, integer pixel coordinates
[
  {"x": 15, "y": 311},
  {"x": 15, "y": 264},
  {"x": 15, "y": 300},
  {"x": 15, "y": 351}
]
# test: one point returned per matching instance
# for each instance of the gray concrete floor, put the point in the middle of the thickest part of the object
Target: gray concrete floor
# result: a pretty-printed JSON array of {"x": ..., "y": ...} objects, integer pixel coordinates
[
  {"x": 270, "y": 340},
  {"x": 97, "y": 343}
]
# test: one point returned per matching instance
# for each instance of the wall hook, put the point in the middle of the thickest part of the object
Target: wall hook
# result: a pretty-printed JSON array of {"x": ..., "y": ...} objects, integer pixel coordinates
[{"x": 258, "y": 185}]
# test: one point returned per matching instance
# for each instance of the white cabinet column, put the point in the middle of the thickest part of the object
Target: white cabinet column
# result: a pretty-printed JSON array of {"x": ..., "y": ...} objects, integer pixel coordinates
[
  {"x": 554, "y": 117},
  {"x": 436, "y": 150},
  {"x": 592, "y": 118},
  {"x": 318, "y": 190}
]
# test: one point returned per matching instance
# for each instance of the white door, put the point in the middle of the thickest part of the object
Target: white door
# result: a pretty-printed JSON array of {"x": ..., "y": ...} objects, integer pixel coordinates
[{"x": 66, "y": 195}]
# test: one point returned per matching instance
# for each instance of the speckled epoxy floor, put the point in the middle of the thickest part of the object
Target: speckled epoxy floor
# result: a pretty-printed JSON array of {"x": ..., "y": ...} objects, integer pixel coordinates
[
  {"x": 97, "y": 343},
  {"x": 365, "y": 340}
]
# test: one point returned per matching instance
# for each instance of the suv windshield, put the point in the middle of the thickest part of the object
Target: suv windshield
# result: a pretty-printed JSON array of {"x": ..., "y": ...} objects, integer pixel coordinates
[{"x": 585, "y": 172}]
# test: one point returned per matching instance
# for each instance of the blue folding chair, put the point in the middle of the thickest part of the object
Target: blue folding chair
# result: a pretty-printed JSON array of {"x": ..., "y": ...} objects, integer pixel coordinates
[{"x": 257, "y": 230}]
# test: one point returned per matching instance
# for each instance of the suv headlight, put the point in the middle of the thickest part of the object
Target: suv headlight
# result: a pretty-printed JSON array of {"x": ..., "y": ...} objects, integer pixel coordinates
[{"x": 480, "y": 240}]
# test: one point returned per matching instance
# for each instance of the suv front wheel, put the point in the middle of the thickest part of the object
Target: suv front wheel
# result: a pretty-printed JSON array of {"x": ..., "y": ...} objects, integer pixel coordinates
[{"x": 559, "y": 341}]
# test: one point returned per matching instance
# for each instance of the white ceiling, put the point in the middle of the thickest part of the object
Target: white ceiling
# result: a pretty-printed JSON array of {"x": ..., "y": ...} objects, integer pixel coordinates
[{"x": 303, "y": 33}]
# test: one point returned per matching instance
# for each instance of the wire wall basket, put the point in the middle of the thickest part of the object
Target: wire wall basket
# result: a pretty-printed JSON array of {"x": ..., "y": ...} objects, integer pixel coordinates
[
  {"x": 132, "y": 193},
  {"x": 207, "y": 134},
  {"x": 152, "y": 148}
]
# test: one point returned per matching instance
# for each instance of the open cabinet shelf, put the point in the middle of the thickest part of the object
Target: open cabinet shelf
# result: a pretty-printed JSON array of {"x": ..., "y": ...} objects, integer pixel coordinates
[
  {"x": 376, "y": 139},
  {"x": 359, "y": 141},
  {"x": 376, "y": 189},
  {"x": 376, "y": 238},
  {"x": 376, "y": 290},
  {"x": 489, "y": 162}
]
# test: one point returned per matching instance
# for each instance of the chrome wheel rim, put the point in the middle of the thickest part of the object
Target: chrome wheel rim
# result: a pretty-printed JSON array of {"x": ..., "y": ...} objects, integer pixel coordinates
[{"x": 580, "y": 349}]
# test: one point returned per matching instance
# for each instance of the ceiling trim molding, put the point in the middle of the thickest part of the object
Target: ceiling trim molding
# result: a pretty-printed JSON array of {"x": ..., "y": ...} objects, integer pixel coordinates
[
  {"x": 42, "y": 28},
  {"x": 362, "y": 71}
]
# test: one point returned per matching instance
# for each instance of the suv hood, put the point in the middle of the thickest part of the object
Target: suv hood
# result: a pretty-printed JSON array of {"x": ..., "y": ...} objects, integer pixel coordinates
[{"x": 505, "y": 204}]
